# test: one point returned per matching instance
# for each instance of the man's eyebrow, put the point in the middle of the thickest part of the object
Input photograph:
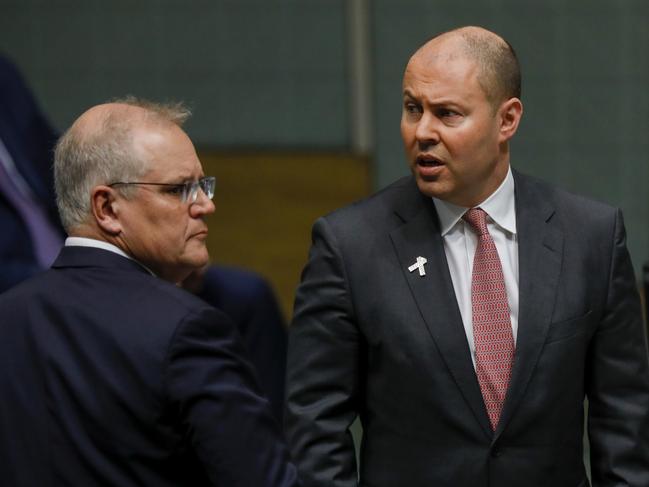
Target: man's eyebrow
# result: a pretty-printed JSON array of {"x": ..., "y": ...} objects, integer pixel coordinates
[
  {"x": 441, "y": 102},
  {"x": 183, "y": 178},
  {"x": 174, "y": 181}
]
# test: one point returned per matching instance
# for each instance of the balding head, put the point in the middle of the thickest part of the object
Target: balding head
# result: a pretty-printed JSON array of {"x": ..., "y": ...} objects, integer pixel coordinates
[
  {"x": 98, "y": 149},
  {"x": 499, "y": 71},
  {"x": 459, "y": 114}
]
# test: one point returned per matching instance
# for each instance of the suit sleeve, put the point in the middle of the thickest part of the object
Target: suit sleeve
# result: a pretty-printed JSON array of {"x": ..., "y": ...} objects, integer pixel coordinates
[
  {"x": 265, "y": 338},
  {"x": 323, "y": 368},
  {"x": 618, "y": 381},
  {"x": 227, "y": 421}
]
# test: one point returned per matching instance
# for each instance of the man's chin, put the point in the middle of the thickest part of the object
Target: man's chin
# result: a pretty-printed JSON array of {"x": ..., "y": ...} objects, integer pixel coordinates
[
  {"x": 184, "y": 267},
  {"x": 430, "y": 188},
  {"x": 199, "y": 259},
  {"x": 196, "y": 253}
]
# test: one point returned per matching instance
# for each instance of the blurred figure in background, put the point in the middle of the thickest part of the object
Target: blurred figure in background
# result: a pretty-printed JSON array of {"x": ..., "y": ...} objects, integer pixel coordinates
[
  {"x": 30, "y": 233},
  {"x": 249, "y": 300}
]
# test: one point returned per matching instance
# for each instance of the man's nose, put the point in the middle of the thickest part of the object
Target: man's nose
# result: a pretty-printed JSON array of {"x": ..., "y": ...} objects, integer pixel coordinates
[
  {"x": 202, "y": 206},
  {"x": 427, "y": 131}
]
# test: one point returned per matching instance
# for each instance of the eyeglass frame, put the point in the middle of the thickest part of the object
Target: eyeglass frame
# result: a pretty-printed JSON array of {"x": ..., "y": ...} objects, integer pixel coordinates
[{"x": 189, "y": 189}]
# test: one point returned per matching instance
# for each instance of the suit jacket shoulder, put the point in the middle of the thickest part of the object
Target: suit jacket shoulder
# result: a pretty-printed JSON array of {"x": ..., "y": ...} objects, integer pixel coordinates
[
  {"x": 380, "y": 213},
  {"x": 581, "y": 219},
  {"x": 530, "y": 188},
  {"x": 117, "y": 367}
]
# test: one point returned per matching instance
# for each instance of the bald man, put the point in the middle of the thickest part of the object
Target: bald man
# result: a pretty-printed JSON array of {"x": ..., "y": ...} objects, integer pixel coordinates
[
  {"x": 465, "y": 312},
  {"x": 110, "y": 373}
]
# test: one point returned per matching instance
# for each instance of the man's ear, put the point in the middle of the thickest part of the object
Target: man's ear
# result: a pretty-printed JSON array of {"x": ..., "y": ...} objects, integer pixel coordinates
[
  {"x": 509, "y": 114},
  {"x": 105, "y": 209}
]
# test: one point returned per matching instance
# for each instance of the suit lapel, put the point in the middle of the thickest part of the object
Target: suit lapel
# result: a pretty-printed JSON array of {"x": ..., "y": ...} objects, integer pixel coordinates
[
  {"x": 420, "y": 236},
  {"x": 540, "y": 249}
]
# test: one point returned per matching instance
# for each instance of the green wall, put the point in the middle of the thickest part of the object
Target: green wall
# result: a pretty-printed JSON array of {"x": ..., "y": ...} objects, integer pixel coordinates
[
  {"x": 258, "y": 73},
  {"x": 272, "y": 74}
]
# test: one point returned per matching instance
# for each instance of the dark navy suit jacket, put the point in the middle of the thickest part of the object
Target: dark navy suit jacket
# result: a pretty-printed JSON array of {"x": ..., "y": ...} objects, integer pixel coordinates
[
  {"x": 110, "y": 376},
  {"x": 248, "y": 299},
  {"x": 29, "y": 139}
]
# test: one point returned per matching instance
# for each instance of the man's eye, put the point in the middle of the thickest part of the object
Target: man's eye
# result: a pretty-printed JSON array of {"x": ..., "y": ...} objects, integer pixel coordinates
[
  {"x": 412, "y": 108},
  {"x": 447, "y": 113},
  {"x": 177, "y": 190}
]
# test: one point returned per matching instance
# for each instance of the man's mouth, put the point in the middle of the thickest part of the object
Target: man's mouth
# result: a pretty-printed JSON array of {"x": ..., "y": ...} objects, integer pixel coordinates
[
  {"x": 200, "y": 234},
  {"x": 428, "y": 161}
]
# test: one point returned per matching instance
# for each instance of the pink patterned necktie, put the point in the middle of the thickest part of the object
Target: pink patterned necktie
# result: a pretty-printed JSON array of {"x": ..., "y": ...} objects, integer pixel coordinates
[{"x": 492, "y": 328}]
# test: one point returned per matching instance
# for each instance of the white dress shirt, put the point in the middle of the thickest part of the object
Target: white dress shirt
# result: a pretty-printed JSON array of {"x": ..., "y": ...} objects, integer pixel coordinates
[{"x": 460, "y": 243}]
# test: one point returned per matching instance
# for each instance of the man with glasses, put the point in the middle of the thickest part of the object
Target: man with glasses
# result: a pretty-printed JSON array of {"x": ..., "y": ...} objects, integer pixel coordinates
[
  {"x": 31, "y": 236},
  {"x": 111, "y": 374}
]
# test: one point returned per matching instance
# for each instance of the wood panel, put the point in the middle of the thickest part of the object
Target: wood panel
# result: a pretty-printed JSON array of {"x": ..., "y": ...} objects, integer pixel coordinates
[{"x": 267, "y": 203}]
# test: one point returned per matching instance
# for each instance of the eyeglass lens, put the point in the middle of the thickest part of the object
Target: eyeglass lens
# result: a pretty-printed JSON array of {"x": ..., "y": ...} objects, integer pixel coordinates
[{"x": 205, "y": 184}]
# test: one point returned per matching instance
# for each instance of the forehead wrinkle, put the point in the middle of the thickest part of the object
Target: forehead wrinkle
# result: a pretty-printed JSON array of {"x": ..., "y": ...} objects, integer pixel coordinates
[{"x": 432, "y": 83}]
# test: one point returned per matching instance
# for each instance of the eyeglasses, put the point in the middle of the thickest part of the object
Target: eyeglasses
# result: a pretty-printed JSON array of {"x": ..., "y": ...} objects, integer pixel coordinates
[{"x": 188, "y": 192}]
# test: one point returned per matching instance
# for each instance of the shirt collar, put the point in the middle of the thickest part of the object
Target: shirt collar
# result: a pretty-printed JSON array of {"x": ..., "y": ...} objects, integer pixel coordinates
[
  {"x": 500, "y": 206},
  {"x": 100, "y": 244}
]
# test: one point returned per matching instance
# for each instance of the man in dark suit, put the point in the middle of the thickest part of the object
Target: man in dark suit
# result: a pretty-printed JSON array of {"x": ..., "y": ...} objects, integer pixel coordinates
[
  {"x": 464, "y": 313},
  {"x": 111, "y": 374},
  {"x": 26, "y": 155}
]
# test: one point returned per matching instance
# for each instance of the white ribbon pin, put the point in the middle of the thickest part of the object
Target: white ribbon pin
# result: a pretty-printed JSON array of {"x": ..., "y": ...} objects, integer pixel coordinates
[{"x": 419, "y": 265}]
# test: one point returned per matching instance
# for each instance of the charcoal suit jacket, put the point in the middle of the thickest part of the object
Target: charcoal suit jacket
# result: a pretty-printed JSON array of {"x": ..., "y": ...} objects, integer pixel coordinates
[
  {"x": 373, "y": 340},
  {"x": 112, "y": 377}
]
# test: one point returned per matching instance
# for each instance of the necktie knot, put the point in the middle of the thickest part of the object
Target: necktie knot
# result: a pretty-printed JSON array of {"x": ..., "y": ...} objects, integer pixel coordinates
[{"x": 477, "y": 218}]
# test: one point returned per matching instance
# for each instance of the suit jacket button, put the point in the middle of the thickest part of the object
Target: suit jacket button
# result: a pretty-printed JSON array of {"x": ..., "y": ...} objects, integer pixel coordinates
[{"x": 496, "y": 452}]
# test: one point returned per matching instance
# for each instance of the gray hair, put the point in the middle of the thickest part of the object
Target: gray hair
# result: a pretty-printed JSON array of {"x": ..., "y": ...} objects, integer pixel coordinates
[{"x": 84, "y": 159}]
